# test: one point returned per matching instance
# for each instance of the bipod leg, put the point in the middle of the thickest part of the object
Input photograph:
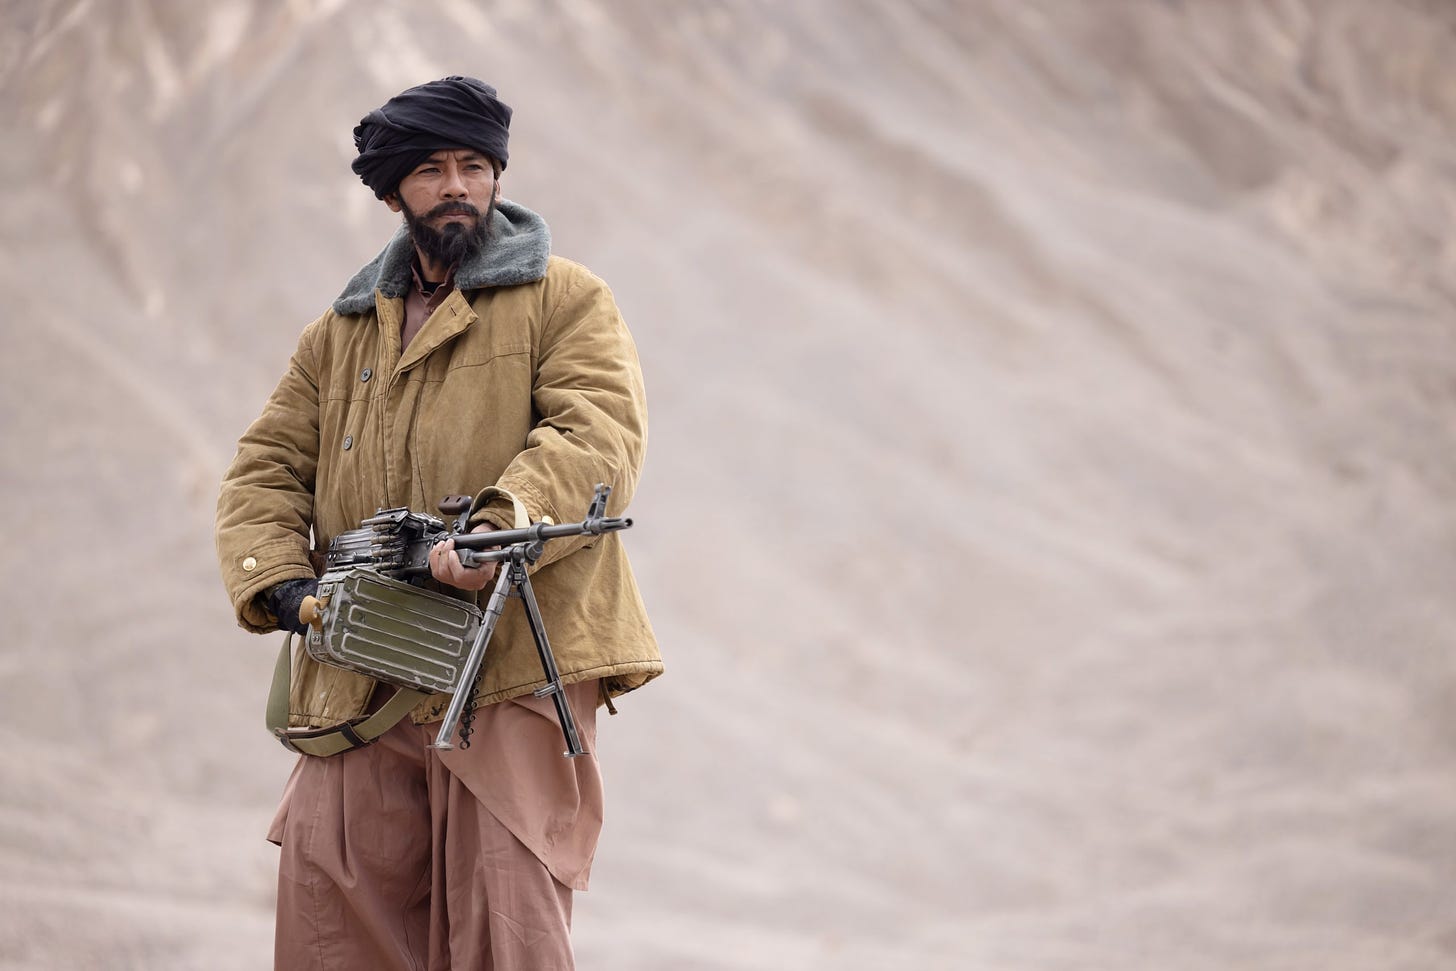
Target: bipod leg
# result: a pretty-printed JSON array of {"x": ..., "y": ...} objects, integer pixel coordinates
[
  {"x": 470, "y": 671},
  {"x": 553, "y": 686}
]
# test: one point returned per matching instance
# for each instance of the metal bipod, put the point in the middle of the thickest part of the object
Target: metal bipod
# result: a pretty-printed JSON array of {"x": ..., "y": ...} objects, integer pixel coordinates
[{"x": 514, "y": 581}]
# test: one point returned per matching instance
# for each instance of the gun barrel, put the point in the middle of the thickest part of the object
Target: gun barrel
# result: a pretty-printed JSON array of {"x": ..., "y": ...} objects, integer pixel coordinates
[{"x": 540, "y": 531}]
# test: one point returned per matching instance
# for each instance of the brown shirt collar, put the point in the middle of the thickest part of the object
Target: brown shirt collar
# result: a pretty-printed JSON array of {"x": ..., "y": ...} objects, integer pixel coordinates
[{"x": 418, "y": 307}]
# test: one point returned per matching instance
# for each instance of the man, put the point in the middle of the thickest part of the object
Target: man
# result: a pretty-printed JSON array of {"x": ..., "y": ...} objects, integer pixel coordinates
[{"x": 464, "y": 359}]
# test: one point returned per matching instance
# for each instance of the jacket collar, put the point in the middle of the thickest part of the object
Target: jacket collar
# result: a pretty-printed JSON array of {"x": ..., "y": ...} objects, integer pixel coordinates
[{"x": 519, "y": 246}]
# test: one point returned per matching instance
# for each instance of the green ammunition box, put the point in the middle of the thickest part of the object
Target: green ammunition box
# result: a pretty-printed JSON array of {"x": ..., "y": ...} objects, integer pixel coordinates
[{"x": 393, "y": 631}]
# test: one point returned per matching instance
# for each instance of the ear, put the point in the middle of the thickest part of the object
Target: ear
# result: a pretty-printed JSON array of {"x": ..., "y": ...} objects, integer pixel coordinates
[
  {"x": 392, "y": 201},
  {"x": 497, "y": 192}
]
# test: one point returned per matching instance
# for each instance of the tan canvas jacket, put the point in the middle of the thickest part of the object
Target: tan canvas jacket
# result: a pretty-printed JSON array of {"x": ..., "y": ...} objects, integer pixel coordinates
[{"x": 525, "y": 379}]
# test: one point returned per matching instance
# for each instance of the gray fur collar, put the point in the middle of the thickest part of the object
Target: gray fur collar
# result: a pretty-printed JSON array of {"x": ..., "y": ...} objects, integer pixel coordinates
[{"x": 519, "y": 246}]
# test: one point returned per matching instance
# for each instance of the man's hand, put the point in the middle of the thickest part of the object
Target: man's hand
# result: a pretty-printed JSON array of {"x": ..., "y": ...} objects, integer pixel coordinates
[
  {"x": 284, "y": 600},
  {"x": 446, "y": 567}
]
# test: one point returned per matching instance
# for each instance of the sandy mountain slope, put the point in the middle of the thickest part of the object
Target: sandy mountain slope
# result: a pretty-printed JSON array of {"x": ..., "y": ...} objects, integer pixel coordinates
[{"x": 1050, "y": 517}]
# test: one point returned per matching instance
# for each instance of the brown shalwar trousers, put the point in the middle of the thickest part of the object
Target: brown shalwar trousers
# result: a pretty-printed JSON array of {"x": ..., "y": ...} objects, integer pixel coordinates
[{"x": 400, "y": 856}]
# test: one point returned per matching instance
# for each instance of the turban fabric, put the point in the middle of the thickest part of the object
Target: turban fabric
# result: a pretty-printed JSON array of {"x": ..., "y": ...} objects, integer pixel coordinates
[{"x": 454, "y": 112}]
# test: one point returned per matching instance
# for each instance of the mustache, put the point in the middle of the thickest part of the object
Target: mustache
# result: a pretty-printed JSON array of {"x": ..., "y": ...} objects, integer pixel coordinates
[{"x": 453, "y": 209}]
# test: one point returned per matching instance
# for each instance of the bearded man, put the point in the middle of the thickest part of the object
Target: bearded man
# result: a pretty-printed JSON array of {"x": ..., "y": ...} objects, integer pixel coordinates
[{"x": 464, "y": 359}]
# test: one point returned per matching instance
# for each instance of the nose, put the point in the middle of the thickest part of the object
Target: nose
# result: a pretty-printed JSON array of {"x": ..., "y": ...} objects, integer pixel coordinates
[{"x": 452, "y": 186}]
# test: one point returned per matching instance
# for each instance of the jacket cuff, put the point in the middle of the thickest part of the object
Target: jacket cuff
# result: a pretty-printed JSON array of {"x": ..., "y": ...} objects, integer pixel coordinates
[
  {"x": 493, "y": 505},
  {"x": 254, "y": 571},
  {"x": 498, "y": 512}
]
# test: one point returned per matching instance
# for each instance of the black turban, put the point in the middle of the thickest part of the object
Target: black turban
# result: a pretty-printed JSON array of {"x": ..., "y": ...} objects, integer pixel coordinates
[{"x": 454, "y": 112}]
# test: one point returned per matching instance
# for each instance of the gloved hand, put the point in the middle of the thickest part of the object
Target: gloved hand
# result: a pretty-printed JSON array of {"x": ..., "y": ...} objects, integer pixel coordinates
[{"x": 285, "y": 598}]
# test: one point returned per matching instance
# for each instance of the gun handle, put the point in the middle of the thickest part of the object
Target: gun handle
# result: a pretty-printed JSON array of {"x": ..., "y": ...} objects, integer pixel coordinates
[
  {"x": 455, "y": 505},
  {"x": 311, "y": 612}
]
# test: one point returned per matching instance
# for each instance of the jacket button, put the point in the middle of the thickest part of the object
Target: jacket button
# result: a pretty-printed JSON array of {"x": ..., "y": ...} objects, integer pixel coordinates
[
  {"x": 348, "y": 442},
  {"x": 366, "y": 374},
  {"x": 250, "y": 564}
]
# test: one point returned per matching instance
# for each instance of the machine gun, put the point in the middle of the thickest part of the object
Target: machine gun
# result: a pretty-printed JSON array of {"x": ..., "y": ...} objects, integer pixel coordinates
[
  {"x": 397, "y": 542},
  {"x": 371, "y": 616}
]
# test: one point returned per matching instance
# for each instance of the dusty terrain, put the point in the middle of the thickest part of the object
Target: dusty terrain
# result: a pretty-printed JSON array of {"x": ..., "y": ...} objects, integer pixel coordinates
[{"x": 1050, "y": 515}]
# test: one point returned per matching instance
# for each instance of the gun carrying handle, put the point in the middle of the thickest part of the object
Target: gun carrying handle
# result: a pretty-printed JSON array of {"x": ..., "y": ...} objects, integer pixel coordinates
[
  {"x": 453, "y": 505},
  {"x": 459, "y": 508}
]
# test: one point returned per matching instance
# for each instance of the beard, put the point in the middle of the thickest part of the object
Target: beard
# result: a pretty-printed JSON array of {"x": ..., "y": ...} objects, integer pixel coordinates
[{"x": 454, "y": 243}]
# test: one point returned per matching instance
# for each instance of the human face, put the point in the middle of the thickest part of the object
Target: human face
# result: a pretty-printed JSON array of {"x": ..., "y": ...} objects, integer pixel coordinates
[{"x": 446, "y": 202}]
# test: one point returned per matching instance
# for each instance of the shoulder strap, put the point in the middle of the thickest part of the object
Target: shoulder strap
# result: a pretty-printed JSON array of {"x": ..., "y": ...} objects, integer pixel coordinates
[
  {"x": 518, "y": 508},
  {"x": 352, "y": 734}
]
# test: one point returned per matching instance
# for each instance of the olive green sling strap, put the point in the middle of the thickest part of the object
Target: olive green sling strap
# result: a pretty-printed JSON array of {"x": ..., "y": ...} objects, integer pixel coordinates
[{"x": 356, "y": 732}]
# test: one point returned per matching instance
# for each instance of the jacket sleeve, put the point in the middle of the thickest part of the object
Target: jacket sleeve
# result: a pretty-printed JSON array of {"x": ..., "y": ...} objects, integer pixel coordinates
[
  {"x": 265, "y": 506},
  {"x": 592, "y": 417}
]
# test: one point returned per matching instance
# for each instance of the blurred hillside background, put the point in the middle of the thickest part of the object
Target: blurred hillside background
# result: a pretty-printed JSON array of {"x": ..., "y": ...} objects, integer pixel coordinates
[{"x": 1050, "y": 512}]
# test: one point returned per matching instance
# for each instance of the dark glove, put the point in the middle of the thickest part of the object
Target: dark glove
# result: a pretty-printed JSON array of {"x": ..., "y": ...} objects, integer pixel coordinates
[{"x": 285, "y": 599}]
